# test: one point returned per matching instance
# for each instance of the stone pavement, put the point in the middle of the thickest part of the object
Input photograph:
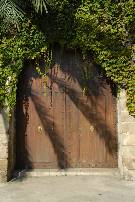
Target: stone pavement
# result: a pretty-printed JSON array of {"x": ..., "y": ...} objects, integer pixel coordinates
[{"x": 68, "y": 189}]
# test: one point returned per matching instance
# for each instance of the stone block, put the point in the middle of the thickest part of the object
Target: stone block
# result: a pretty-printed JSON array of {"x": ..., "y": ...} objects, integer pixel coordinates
[
  {"x": 128, "y": 152},
  {"x": 129, "y": 175},
  {"x": 122, "y": 101},
  {"x": 123, "y": 107},
  {"x": 4, "y": 153},
  {"x": 3, "y": 164},
  {"x": 129, "y": 163},
  {"x": 128, "y": 158},
  {"x": 3, "y": 148},
  {"x": 125, "y": 117},
  {"x": 128, "y": 139},
  {"x": 128, "y": 128},
  {"x": 3, "y": 176},
  {"x": 2, "y": 124},
  {"x": 122, "y": 94}
]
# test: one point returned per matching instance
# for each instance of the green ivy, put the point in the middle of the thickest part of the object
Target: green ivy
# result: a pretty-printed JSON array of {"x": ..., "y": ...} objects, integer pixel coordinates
[
  {"x": 107, "y": 28},
  {"x": 104, "y": 28},
  {"x": 28, "y": 43}
]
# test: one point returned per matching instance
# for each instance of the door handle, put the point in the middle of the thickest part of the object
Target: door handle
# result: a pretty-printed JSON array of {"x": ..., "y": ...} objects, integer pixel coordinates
[
  {"x": 91, "y": 129},
  {"x": 40, "y": 129}
]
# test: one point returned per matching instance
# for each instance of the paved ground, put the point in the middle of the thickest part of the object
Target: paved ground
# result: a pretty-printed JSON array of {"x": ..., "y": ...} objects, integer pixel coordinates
[{"x": 68, "y": 189}]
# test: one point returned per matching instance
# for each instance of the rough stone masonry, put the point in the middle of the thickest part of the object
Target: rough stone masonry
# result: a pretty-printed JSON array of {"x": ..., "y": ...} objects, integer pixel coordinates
[
  {"x": 126, "y": 139},
  {"x": 3, "y": 146}
]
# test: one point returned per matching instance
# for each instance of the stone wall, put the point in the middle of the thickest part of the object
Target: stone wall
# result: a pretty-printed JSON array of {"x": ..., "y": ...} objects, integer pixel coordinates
[
  {"x": 3, "y": 146},
  {"x": 126, "y": 139}
]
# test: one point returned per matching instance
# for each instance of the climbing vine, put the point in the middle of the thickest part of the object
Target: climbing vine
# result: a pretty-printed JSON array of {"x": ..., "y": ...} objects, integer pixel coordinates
[
  {"x": 108, "y": 29},
  {"x": 103, "y": 28},
  {"x": 28, "y": 43}
]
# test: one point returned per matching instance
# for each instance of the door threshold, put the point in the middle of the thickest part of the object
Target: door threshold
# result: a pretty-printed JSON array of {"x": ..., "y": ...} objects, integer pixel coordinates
[{"x": 67, "y": 172}]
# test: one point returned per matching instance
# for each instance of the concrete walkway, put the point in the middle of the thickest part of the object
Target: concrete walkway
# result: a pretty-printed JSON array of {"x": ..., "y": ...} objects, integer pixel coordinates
[{"x": 68, "y": 189}]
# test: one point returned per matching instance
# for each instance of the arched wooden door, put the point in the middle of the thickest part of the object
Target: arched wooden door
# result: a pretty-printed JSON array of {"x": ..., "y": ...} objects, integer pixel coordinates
[{"x": 58, "y": 125}]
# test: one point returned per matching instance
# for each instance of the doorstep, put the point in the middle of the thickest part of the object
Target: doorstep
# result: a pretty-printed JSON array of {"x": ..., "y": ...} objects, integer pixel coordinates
[{"x": 67, "y": 172}]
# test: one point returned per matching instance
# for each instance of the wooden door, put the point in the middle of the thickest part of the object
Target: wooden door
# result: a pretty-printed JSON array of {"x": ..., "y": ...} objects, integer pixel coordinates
[{"x": 58, "y": 124}]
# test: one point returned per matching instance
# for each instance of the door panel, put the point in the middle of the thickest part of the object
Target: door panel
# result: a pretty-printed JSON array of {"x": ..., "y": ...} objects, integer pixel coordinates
[{"x": 60, "y": 122}]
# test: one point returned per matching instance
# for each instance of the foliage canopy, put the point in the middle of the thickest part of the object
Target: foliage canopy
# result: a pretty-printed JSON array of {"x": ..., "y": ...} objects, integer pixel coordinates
[{"x": 104, "y": 28}]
